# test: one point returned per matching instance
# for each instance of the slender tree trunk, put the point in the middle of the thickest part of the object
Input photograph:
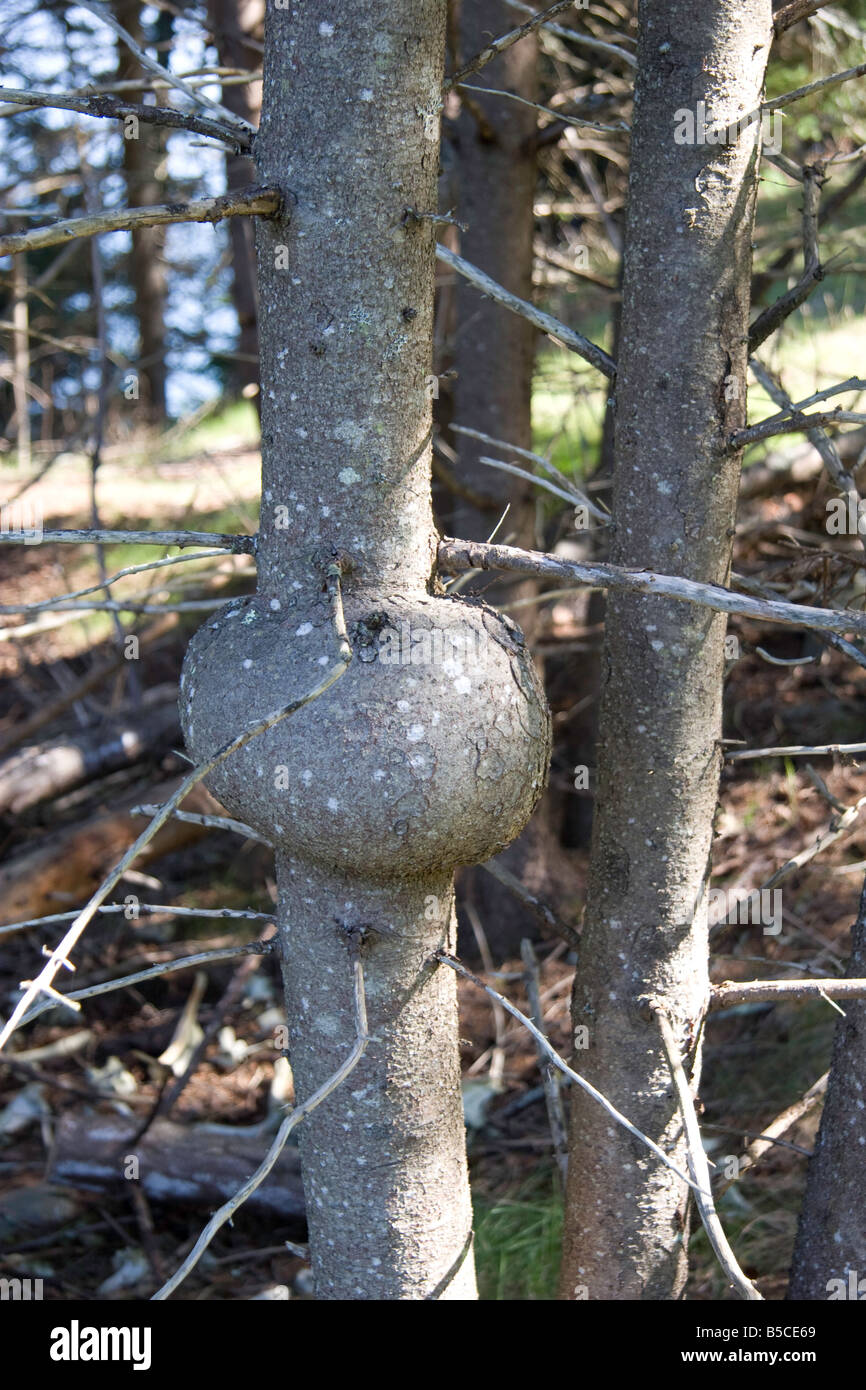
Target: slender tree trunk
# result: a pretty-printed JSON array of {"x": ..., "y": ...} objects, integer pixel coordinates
[
  {"x": 680, "y": 391},
  {"x": 232, "y": 21},
  {"x": 830, "y": 1251},
  {"x": 142, "y": 154},
  {"x": 495, "y": 176},
  {"x": 493, "y": 350},
  {"x": 21, "y": 373},
  {"x": 377, "y": 790}
]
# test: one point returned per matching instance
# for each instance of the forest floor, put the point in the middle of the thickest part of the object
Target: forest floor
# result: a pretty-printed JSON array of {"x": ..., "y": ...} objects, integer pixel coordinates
[{"x": 112, "y": 1063}]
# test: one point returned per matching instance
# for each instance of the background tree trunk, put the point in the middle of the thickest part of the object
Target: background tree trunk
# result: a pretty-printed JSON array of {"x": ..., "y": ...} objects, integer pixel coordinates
[
  {"x": 142, "y": 158},
  {"x": 831, "y": 1237},
  {"x": 495, "y": 167},
  {"x": 683, "y": 351},
  {"x": 233, "y": 22}
]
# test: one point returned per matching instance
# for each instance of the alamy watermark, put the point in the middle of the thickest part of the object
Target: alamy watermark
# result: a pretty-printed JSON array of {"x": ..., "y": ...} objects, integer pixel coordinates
[
  {"x": 404, "y": 645},
  {"x": 757, "y": 907},
  {"x": 694, "y": 127}
]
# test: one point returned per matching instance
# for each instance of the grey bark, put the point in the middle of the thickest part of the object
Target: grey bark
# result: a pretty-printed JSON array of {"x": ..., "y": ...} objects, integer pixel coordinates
[
  {"x": 376, "y": 791},
  {"x": 829, "y": 1258},
  {"x": 684, "y": 321}
]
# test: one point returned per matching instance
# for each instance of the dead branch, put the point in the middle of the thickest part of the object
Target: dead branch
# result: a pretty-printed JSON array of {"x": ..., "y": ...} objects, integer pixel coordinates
[
  {"x": 457, "y": 557},
  {"x": 261, "y": 202}
]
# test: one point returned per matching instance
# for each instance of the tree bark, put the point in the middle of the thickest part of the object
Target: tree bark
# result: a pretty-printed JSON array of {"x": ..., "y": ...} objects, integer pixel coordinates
[
  {"x": 141, "y": 158},
  {"x": 680, "y": 392},
  {"x": 377, "y": 790},
  {"x": 829, "y": 1259},
  {"x": 232, "y": 21},
  {"x": 493, "y": 351}
]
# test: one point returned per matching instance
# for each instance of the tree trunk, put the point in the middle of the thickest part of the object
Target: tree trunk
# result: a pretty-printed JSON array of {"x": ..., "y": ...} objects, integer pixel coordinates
[
  {"x": 680, "y": 392},
  {"x": 377, "y": 790},
  {"x": 232, "y": 21},
  {"x": 830, "y": 1251},
  {"x": 142, "y": 154},
  {"x": 494, "y": 350}
]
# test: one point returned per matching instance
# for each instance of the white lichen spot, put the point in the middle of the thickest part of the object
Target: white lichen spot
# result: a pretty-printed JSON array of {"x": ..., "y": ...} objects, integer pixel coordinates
[
  {"x": 303, "y": 629},
  {"x": 349, "y": 432},
  {"x": 378, "y": 774},
  {"x": 333, "y": 804},
  {"x": 348, "y": 476},
  {"x": 246, "y": 663},
  {"x": 463, "y": 685},
  {"x": 276, "y": 605},
  {"x": 402, "y": 705},
  {"x": 306, "y": 776},
  {"x": 366, "y": 94},
  {"x": 415, "y": 733},
  {"x": 326, "y": 30}
]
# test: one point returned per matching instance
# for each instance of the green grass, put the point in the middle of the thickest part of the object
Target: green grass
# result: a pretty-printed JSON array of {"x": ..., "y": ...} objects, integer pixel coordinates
[{"x": 518, "y": 1243}]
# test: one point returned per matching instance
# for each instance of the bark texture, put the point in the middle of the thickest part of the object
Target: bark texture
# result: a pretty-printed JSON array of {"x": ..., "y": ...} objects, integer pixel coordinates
[
  {"x": 143, "y": 158},
  {"x": 409, "y": 765},
  {"x": 830, "y": 1251},
  {"x": 494, "y": 142},
  {"x": 680, "y": 392},
  {"x": 232, "y": 21}
]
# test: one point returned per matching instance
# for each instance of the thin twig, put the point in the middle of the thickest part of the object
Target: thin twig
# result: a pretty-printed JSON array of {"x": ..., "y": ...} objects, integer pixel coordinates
[
  {"x": 798, "y": 422},
  {"x": 114, "y": 108},
  {"x": 503, "y": 43},
  {"x": 560, "y": 1065},
  {"x": 549, "y": 1077},
  {"x": 778, "y": 102},
  {"x": 63, "y": 600},
  {"x": 576, "y": 342},
  {"x": 239, "y": 545},
  {"x": 43, "y": 984},
  {"x": 456, "y": 557},
  {"x": 132, "y": 911},
  {"x": 210, "y": 822},
  {"x": 796, "y": 750},
  {"x": 228, "y": 1209},
  {"x": 249, "y": 202},
  {"x": 542, "y": 911},
  {"x": 574, "y": 36},
  {"x": 733, "y": 992},
  {"x": 776, "y": 313},
  {"x": 839, "y": 826},
  {"x": 575, "y": 494},
  {"x": 699, "y": 1166},
  {"x": 151, "y": 65},
  {"x": 167, "y": 967},
  {"x": 567, "y": 495},
  {"x": 558, "y": 116},
  {"x": 771, "y": 1134}
]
